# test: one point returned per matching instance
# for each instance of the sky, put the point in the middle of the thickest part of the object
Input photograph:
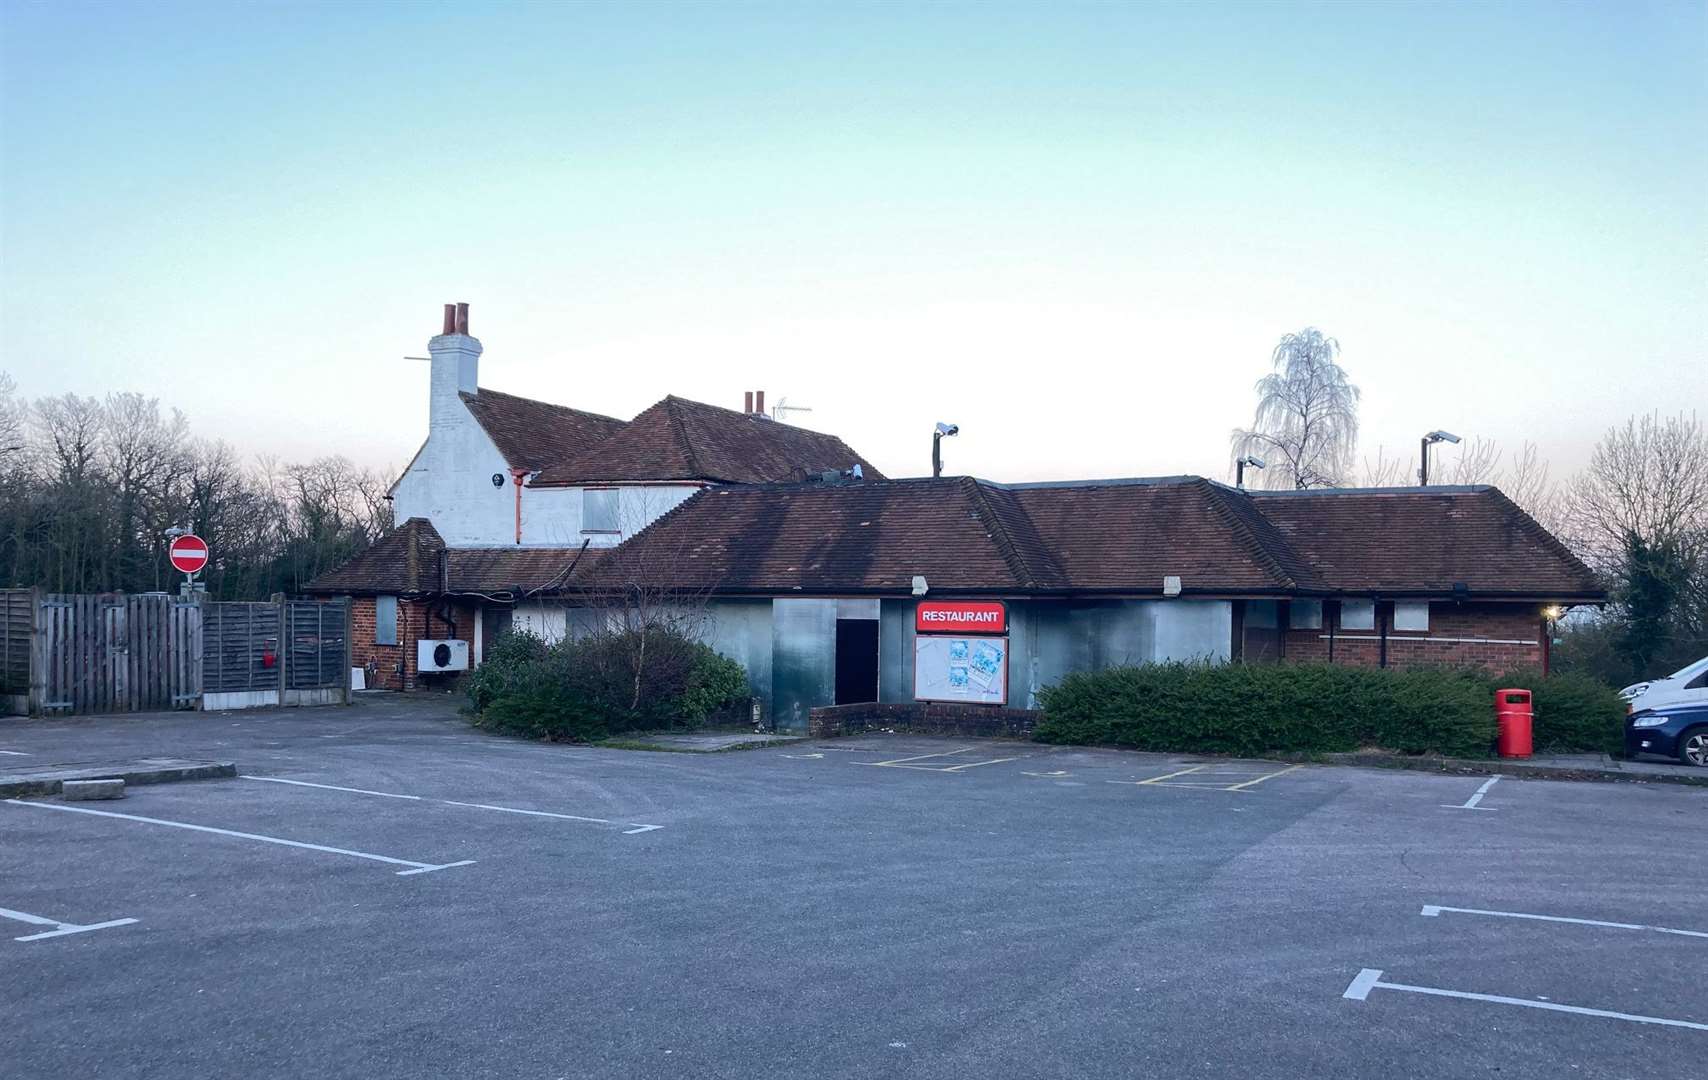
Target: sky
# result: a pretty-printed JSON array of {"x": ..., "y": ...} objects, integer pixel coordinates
[{"x": 1075, "y": 230}]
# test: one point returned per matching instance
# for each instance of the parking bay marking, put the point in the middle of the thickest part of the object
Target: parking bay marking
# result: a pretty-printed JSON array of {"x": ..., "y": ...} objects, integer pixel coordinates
[
  {"x": 60, "y": 929},
  {"x": 15, "y": 753},
  {"x": 1165, "y": 779},
  {"x": 906, "y": 762},
  {"x": 1370, "y": 979},
  {"x": 415, "y": 867},
  {"x": 1471, "y": 803},
  {"x": 637, "y": 826},
  {"x": 1436, "y": 909}
]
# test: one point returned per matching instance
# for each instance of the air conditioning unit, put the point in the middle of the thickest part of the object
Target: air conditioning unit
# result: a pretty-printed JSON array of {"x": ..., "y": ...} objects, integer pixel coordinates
[{"x": 446, "y": 654}]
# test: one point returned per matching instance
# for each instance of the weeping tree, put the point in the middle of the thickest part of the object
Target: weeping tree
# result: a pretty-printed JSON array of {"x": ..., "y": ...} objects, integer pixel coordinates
[{"x": 1307, "y": 415}]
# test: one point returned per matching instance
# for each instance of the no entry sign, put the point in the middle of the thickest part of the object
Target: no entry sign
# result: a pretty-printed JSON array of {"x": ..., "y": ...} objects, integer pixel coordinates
[{"x": 189, "y": 553}]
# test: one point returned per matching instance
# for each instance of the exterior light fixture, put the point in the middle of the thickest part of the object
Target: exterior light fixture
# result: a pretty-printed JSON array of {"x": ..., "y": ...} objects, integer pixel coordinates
[
  {"x": 937, "y": 446},
  {"x": 1239, "y": 469},
  {"x": 1423, "y": 454}
]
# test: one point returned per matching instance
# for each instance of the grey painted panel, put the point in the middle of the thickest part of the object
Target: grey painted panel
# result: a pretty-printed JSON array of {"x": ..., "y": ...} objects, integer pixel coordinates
[
  {"x": 857, "y": 609},
  {"x": 803, "y": 659},
  {"x": 1194, "y": 630},
  {"x": 895, "y": 651},
  {"x": 741, "y": 630}
]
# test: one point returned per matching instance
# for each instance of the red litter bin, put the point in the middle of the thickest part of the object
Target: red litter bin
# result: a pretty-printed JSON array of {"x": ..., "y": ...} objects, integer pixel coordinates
[{"x": 1513, "y": 715}]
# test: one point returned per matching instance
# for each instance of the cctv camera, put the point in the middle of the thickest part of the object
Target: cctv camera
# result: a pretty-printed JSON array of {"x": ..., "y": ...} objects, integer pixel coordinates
[
  {"x": 948, "y": 429},
  {"x": 1443, "y": 436}
]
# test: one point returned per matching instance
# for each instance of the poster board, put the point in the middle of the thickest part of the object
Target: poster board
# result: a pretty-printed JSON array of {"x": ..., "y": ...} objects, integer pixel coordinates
[{"x": 961, "y": 668}]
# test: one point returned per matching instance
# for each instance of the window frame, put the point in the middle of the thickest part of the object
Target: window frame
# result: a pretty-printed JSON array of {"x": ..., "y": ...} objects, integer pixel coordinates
[
  {"x": 1411, "y": 607},
  {"x": 380, "y": 605},
  {"x": 615, "y": 497},
  {"x": 1349, "y": 606}
]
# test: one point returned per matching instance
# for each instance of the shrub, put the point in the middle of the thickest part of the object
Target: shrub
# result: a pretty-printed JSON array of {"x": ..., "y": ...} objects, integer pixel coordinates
[
  {"x": 1256, "y": 709},
  {"x": 1574, "y": 712},
  {"x": 592, "y": 687}
]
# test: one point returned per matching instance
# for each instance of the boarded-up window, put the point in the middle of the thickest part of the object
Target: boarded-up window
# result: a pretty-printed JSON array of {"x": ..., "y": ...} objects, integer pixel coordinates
[
  {"x": 599, "y": 510},
  {"x": 1358, "y": 614},
  {"x": 1305, "y": 615},
  {"x": 1411, "y": 616},
  {"x": 385, "y": 620}
]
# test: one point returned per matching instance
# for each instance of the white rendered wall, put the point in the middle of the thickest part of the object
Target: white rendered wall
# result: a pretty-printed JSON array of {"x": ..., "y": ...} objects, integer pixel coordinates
[
  {"x": 450, "y": 484},
  {"x": 551, "y": 517}
]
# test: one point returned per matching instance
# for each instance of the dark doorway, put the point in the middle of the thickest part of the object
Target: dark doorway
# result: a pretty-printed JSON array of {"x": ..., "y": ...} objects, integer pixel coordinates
[{"x": 856, "y": 661}]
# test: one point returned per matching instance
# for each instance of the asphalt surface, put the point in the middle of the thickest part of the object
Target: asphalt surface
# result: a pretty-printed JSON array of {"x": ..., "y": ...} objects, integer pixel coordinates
[{"x": 806, "y": 911}]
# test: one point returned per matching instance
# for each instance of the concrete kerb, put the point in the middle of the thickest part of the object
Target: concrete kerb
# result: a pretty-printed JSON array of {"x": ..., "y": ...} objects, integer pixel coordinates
[
  {"x": 1613, "y": 773},
  {"x": 159, "y": 771}
]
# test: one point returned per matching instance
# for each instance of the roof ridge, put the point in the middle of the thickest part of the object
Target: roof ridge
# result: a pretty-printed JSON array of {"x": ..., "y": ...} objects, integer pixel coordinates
[
  {"x": 1242, "y": 529},
  {"x": 479, "y": 390},
  {"x": 679, "y": 429},
  {"x": 1010, "y": 551},
  {"x": 1549, "y": 540}
]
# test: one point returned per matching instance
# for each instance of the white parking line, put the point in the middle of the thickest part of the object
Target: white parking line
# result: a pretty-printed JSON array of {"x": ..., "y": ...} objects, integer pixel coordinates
[
  {"x": 529, "y": 813},
  {"x": 60, "y": 929},
  {"x": 453, "y": 802},
  {"x": 329, "y": 787},
  {"x": 15, "y": 753},
  {"x": 1370, "y": 979},
  {"x": 417, "y": 867},
  {"x": 917, "y": 757},
  {"x": 1471, "y": 803},
  {"x": 1437, "y": 909}
]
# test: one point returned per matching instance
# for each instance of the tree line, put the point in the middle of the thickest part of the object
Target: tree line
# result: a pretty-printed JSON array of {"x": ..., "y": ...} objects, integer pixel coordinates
[
  {"x": 90, "y": 486},
  {"x": 1637, "y": 514}
]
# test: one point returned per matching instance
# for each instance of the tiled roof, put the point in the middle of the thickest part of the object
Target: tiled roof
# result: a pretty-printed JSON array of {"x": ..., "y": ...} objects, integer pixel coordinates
[
  {"x": 971, "y": 537},
  {"x": 397, "y": 562},
  {"x": 534, "y": 434},
  {"x": 1423, "y": 540},
  {"x": 407, "y": 560},
  {"x": 678, "y": 439},
  {"x": 1103, "y": 537}
]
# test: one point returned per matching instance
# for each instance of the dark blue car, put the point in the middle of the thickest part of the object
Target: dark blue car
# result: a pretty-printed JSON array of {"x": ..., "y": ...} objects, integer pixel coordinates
[{"x": 1675, "y": 731}]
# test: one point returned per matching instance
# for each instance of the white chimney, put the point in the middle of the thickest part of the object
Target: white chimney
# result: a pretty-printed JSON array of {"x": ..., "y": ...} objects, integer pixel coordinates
[{"x": 456, "y": 368}]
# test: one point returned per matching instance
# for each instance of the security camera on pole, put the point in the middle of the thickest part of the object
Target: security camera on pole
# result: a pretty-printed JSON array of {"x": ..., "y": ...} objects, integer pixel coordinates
[
  {"x": 937, "y": 446},
  {"x": 188, "y": 554},
  {"x": 1428, "y": 441}
]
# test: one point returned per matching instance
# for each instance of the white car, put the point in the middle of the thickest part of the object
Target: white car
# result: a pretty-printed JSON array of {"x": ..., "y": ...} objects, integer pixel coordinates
[{"x": 1686, "y": 686}]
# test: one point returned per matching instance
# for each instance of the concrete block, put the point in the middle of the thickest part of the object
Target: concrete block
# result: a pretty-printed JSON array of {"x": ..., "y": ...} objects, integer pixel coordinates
[{"x": 81, "y": 790}]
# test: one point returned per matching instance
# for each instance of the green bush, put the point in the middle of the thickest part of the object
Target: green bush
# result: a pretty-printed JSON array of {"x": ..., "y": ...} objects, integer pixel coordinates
[
  {"x": 1574, "y": 712},
  {"x": 1248, "y": 709},
  {"x": 593, "y": 687}
]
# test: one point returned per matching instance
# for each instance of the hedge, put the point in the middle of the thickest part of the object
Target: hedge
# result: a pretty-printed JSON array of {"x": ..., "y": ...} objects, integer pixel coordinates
[
  {"x": 1251, "y": 709},
  {"x": 590, "y": 688}
]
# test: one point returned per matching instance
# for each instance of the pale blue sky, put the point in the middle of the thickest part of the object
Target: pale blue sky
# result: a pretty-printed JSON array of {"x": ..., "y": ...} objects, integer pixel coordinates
[{"x": 1075, "y": 230}]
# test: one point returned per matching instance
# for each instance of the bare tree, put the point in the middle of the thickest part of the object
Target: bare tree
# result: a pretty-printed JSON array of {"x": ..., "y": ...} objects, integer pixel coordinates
[
  {"x": 1648, "y": 479},
  {"x": 1385, "y": 471},
  {"x": 11, "y": 424},
  {"x": 1307, "y": 415}
]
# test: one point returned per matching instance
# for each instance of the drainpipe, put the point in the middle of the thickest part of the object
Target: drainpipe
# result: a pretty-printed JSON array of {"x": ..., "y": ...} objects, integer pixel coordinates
[
  {"x": 1382, "y": 629},
  {"x": 516, "y": 475}
]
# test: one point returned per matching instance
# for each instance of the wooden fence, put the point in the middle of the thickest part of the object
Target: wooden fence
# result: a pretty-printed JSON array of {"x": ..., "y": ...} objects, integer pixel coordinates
[
  {"x": 137, "y": 653},
  {"x": 115, "y": 653}
]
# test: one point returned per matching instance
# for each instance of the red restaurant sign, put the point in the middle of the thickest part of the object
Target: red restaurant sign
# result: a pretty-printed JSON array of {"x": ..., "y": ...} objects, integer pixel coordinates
[{"x": 960, "y": 617}]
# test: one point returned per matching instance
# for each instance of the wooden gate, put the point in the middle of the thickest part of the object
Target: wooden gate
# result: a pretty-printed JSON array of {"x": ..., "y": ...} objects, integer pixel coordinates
[{"x": 116, "y": 653}]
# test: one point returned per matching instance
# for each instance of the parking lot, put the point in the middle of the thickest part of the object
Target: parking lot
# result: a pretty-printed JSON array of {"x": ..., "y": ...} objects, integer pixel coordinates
[{"x": 384, "y": 892}]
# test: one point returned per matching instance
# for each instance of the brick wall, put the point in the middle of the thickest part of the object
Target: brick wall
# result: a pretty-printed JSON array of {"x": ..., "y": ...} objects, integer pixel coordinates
[
  {"x": 922, "y": 718},
  {"x": 415, "y": 621},
  {"x": 1498, "y": 637}
]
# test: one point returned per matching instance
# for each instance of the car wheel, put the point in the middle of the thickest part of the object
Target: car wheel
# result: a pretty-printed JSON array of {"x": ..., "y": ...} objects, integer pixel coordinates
[{"x": 1693, "y": 747}]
